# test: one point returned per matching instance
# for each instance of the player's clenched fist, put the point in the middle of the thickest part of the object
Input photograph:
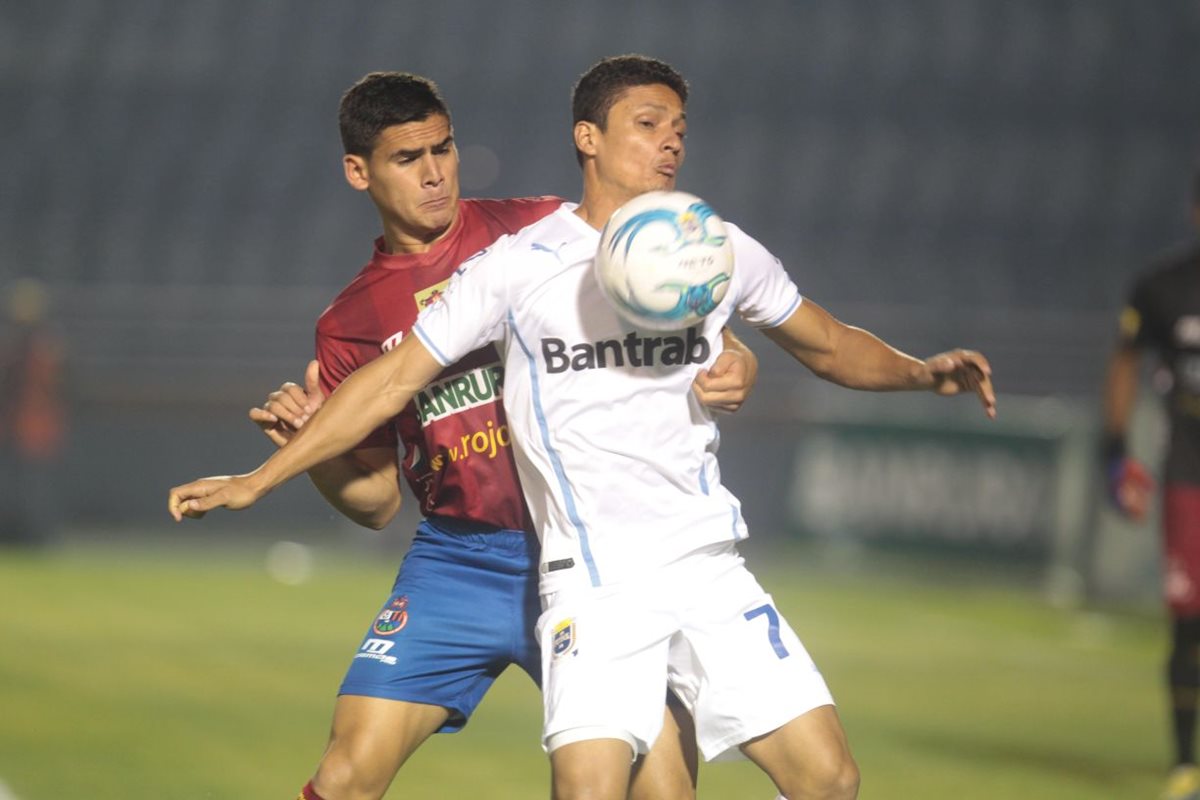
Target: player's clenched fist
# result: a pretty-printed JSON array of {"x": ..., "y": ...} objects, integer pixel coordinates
[
  {"x": 199, "y": 497},
  {"x": 290, "y": 406}
]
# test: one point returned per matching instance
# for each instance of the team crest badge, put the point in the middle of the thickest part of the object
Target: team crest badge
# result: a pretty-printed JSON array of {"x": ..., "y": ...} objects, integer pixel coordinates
[
  {"x": 430, "y": 295},
  {"x": 393, "y": 618},
  {"x": 564, "y": 638}
]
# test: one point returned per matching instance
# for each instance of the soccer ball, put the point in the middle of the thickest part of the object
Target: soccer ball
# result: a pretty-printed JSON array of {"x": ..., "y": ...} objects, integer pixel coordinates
[{"x": 665, "y": 260}]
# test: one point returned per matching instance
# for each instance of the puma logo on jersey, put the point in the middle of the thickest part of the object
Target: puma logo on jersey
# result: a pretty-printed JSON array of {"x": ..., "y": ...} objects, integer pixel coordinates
[
  {"x": 634, "y": 350},
  {"x": 552, "y": 251}
]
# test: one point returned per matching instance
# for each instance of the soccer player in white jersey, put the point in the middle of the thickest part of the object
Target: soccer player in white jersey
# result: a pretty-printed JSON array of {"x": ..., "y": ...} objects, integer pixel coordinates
[
  {"x": 475, "y": 546},
  {"x": 641, "y": 581}
]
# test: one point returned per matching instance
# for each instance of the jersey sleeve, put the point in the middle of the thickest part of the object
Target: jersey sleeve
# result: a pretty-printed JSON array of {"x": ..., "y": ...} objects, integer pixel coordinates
[
  {"x": 766, "y": 294},
  {"x": 336, "y": 362},
  {"x": 472, "y": 312}
]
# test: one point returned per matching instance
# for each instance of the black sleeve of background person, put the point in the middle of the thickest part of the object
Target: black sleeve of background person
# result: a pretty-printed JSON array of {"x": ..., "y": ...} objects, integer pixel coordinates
[
  {"x": 1168, "y": 291},
  {"x": 1168, "y": 299}
]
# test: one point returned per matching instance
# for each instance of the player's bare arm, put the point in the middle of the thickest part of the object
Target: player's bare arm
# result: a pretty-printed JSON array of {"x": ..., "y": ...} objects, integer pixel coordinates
[
  {"x": 363, "y": 485},
  {"x": 727, "y": 384},
  {"x": 1120, "y": 389},
  {"x": 858, "y": 359},
  {"x": 1128, "y": 482},
  {"x": 372, "y": 395}
]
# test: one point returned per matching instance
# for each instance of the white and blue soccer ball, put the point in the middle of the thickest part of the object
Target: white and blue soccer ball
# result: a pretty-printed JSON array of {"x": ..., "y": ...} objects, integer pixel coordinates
[{"x": 665, "y": 260}]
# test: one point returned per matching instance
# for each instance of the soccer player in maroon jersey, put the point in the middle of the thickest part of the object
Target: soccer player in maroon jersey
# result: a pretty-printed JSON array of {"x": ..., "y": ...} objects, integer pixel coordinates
[
  {"x": 1163, "y": 315},
  {"x": 465, "y": 601}
]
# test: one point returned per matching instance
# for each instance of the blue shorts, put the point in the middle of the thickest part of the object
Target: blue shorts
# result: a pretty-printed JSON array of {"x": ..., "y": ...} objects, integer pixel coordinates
[{"x": 464, "y": 607}]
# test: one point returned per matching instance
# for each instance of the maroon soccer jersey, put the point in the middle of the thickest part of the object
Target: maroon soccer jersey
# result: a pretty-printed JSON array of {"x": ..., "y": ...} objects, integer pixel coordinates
[{"x": 457, "y": 453}]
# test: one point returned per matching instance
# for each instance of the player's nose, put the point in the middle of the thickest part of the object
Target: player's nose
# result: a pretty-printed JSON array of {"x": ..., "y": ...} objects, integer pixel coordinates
[{"x": 433, "y": 173}]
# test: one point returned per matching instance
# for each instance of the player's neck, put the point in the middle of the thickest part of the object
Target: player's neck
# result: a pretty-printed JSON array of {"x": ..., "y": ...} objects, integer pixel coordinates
[
  {"x": 400, "y": 240},
  {"x": 602, "y": 195},
  {"x": 596, "y": 207}
]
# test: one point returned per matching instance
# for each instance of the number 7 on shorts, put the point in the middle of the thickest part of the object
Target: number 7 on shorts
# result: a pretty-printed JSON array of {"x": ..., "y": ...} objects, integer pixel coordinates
[{"x": 772, "y": 627}]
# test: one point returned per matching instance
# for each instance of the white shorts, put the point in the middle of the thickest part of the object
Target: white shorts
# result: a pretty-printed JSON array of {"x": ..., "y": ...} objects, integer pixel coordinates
[{"x": 702, "y": 627}]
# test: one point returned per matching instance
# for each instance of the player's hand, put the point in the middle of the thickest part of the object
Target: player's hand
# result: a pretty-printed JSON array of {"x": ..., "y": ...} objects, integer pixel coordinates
[
  {"x": 727, "y": 383},
  {"x": 290, "y": 406},
  {"x": 1130, "y": 487},
  {"x": 960, "y": 371},
  {"x": 197, "y": 498}
]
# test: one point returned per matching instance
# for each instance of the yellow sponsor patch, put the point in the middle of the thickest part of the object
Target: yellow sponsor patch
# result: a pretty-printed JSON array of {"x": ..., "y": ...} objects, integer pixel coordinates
[
  {"x": 1130, "y": 323},
  {"x": 430, "y": 294}
]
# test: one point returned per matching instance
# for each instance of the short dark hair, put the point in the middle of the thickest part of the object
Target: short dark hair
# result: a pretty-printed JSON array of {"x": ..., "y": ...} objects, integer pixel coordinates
[
  {"x": 380, "y": 100},
  {"x": 598, "y": 89}
]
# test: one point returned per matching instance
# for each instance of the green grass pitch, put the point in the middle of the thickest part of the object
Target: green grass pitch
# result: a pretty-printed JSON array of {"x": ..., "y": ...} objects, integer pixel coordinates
[{"x": 182, "y": 676}]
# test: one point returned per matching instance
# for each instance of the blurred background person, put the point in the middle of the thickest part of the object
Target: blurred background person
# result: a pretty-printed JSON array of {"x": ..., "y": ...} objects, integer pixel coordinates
[
  {"x": 32, "y": 414},
  {"x": 1162, "y": 314}
]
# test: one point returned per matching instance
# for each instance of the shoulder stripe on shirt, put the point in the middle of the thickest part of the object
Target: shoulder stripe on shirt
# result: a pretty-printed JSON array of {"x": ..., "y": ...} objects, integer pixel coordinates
[{"x": 555, "y": 461}]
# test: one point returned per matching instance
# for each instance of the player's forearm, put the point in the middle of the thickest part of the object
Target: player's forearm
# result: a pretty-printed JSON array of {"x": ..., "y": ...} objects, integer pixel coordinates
[
  {"x": 1120, "y": 391},
  {"x": 369, "y": 397},
  {"x": 364, "y": 493},
  {"x": 860, "y": 360},
  {"x": 846, "y": 355}
]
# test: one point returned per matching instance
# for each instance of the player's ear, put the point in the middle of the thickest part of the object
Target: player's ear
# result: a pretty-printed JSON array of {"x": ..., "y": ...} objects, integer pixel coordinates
[
  {"x": 586, "y": 135},
  {"x": 357, "y": 173}
]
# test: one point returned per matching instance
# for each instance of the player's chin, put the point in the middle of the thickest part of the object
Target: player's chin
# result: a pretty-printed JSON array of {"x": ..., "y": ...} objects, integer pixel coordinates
[
  {"x": 662, "y": 182},
  {"x": 435, "y": 221},
  {"x": 439, "y": 223}
]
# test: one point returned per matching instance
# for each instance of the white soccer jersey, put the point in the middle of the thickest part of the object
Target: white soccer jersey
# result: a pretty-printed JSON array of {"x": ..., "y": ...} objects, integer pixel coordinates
[{"x": 616, "y": 456}]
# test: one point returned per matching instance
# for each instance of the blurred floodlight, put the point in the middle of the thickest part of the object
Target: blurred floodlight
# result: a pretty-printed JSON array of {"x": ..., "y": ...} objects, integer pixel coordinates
[{"x": 289, "y": 563}]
